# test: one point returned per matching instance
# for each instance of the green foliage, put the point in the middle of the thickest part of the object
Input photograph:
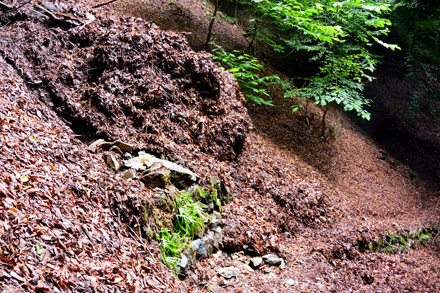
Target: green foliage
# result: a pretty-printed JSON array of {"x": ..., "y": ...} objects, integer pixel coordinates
[
  {"x": 339, "y": 34},
  {"x": 188, "y": 221},
  {"x": 171, "y": 245},
  {"x": 245, "y": 69},
  {"x": 417, "y": 25},
  {"x": 190, "y": 216},
  {"x": 40, "y": 250},
  {"x": 398, "y": 243}
]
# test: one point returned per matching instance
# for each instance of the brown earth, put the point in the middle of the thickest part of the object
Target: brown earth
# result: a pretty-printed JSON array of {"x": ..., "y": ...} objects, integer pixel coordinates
[{"x": 308, "y": 200}]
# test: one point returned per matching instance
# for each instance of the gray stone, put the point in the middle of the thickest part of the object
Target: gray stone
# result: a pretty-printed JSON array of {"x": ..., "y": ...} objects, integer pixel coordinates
[
  {"x": 282, "y": 265},
  {"x": 248, "y": 268},
  {"x": 199, "y": 248},
  {"x": 117, "y": 150},
  {"x": 272, "y": 259},
  {"x": 92, "y": 147},
  {"x": 112, "y": 162},
  {"x": 229, "y": 272},
  {"x": 215, "y": 221},
  {"x": 183, "y": 266},
  {"x": 127, "y": 156},
  {"x": 222, "y": 283},
  {"x": 161, "y": 200},
  {"x": 123, "y": 146},
  {"x": 210, "y": 207},
  {"x": 209, "y": 244},
  {"x": 218, "y": 238},
  {"x": 156, "y": 178},
  {"x": 256, "y": 262},
  {"x": 180, "y": 176},
  {"x": 130, "y": 174},
  {"x": 290, "y": 282},
  {"x": 190, "y": 254},
  {"x": 223, "y": 193}
]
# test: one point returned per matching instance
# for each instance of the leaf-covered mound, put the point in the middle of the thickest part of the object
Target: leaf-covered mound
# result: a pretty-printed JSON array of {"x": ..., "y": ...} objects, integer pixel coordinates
[
  {"x": 126, "y": 79},
  {"x": 61, "y": 208}
]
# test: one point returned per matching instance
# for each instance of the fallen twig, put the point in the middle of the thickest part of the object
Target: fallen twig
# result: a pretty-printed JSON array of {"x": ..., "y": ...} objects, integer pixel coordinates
[
  {"x": 10, "y": 8},
  {"x": 105, "y": 3}
]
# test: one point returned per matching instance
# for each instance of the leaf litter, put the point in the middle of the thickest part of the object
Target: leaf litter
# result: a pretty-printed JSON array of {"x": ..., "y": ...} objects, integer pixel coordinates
[{"x": 69, "y": 222}]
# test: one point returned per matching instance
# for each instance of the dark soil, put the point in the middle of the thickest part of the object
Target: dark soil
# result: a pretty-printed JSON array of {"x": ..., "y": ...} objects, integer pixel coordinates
[{"x": 69, "y": 223}]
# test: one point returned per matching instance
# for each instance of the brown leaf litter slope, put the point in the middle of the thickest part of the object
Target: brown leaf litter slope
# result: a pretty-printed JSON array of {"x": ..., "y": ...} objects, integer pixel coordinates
[
  {"x": 59, "y": 230},
  {"x": 126, "y": 79}
]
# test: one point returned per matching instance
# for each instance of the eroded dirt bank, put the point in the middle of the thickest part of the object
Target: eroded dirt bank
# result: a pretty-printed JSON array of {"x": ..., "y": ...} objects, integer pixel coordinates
[{"x": 296, "y": 196}]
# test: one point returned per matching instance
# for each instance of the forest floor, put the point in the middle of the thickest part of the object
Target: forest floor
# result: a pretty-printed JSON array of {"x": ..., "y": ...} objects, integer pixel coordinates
[{"x": 313, "y": 202}]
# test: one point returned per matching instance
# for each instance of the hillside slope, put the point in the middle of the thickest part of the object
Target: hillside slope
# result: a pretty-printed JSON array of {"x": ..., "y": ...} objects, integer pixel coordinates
[{"x": 65, "y": 214}]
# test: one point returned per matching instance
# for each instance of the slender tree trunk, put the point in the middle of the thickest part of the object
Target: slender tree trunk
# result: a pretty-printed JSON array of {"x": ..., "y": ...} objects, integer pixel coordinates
[
  {"x": 211, "y": 23},
  {"x": 323, "y": 120}
]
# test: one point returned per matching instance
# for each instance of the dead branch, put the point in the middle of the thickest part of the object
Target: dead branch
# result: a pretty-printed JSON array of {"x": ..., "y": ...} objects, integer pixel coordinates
[{"x": 105, "y": 3}]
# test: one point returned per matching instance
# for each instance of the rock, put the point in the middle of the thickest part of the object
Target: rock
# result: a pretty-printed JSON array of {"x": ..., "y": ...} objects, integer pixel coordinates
[
  {"x": 127, "y": 156},
  {"x": 290, "y": 282},
  {"x": 282, "y": 265},
  {"x": 199, "y": 248},
  {"x": 190, "y": 254},
  {"x": 112, "y": 162},
  {"x": 210, "y": 207},
  {"x": 229, "y": 272},
  {"x": 161, "y": 200},
  {"x": 183, "y": 266},
  {"x": 218, "y": 238},
  {"x": 92, "y": 147},
  {"x": 223, "y": 193},
  {"x": 130, "y": 174},
  {"x": 158, "y": 168},
  {"x": 256, "y": 262},
  {"x": 117, "y": 150},
  {"x": 272, "y": 259},
  {"x": 157, "y": 178},
  {"x": 215, "y": 220},
  {"x": 222, "y": 283},
  {"x": 209, "y": 244},
  {"x": 247, "y": 268},
  {"x": 123, "y": 146}
]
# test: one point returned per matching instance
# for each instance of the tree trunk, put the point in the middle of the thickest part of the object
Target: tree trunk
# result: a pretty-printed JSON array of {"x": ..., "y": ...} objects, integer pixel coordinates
[
  {"x": 323, "y": 120},
  {"x": 211, "y": 24}
]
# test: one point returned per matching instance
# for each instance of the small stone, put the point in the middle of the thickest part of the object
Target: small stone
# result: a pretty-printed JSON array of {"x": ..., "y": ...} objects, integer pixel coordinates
[
  {"x": 218, "y": 238},
  {"x": 272, "y": 259},
  {"x": 229, "y": 272},
  {"x": 200, "y": 249},
  {"x": 282, "y": 265},
  {"x": 92, "y": 147},
  {"x": 222, "y": 283},
  {"x": 123, "y": 146},
  {"x": 256, "y": 262},
  {"x": 117, "y": 150},
  {"x": 113, "y": 162},
  {"x": 130, "y": 174},
  {"x": 210, "y": 207},
  {"x": 209, "y": 244},
  {"x": 290, "y": 282},
  {"x": 215, "y": 221},
  {"x": 248, "y": 268}
]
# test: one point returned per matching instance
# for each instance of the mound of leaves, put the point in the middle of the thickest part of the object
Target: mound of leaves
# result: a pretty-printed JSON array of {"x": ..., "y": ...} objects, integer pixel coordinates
[{"x": 126, "y": 79}]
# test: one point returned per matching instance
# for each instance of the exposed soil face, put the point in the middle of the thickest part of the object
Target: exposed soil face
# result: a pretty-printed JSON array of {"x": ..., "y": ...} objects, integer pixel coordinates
[{"x": 308, "y": 200}]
